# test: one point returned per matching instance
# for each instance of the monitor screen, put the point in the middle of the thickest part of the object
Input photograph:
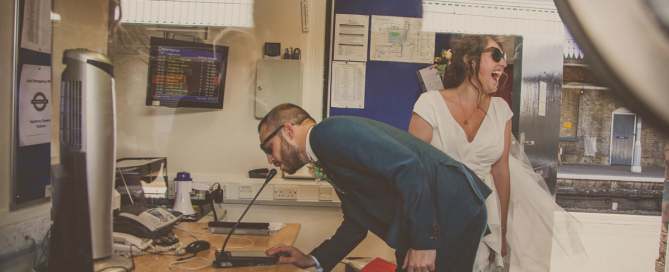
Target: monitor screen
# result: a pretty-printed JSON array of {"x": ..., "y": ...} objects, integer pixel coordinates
[{"x": 186, "y": 74}]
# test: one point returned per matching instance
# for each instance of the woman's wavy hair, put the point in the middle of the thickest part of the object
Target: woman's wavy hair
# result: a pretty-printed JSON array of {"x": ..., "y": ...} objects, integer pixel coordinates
[{"x": 471, "y": 46}]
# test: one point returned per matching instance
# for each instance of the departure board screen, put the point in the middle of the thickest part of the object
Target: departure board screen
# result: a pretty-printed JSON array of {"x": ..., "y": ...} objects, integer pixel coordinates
[{"x": 186, "y": 74}]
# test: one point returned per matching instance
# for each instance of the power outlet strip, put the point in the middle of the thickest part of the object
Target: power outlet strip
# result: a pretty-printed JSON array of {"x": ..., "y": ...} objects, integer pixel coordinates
[
  {"x": 285, "y": 192},
  {"x": 245, "y": 191},
  {"x": 325, "y": 193}
]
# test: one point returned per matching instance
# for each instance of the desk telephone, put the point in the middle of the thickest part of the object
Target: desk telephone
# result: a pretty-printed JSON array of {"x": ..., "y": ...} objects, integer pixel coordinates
[{"x": 137, "y": 220}]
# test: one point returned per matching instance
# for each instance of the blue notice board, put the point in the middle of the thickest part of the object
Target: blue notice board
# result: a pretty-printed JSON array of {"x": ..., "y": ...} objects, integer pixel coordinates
[{"x": 391, "y": 88}]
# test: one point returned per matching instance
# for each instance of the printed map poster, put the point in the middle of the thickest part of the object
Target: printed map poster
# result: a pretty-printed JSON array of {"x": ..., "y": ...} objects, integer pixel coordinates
[
  {"x": 400, "y": 39},
  {"x": 35, "y": 105}
]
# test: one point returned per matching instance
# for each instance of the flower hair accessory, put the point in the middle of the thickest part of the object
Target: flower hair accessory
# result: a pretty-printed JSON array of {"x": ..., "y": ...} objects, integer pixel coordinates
[{"x": 441, "y": 62}]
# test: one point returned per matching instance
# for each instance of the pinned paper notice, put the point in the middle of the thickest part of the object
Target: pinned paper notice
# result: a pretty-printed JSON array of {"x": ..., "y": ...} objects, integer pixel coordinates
[
  {"x": 35, "y": 105},
  {"x": 36, "y": 32},
  {"x": 348, "y": 84},
  {"x": 542, "y": 98}
]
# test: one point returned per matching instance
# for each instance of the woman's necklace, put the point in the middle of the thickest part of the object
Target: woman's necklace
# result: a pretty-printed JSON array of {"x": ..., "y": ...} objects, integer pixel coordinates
[{"x": 463, "y": 109}]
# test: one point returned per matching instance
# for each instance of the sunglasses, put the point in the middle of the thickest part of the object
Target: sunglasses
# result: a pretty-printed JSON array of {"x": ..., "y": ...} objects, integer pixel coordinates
[
  {"x": 265, "y": 149},
  {"x": 497, "y": 54}
]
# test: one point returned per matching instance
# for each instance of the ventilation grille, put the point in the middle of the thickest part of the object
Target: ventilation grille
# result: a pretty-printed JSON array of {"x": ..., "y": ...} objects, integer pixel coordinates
[{"x": 70, "y": 114}]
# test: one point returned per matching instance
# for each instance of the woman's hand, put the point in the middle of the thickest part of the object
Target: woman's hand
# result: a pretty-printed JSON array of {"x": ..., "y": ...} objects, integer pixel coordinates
[
  {"x": 503, "y": 243},
  {"x": 420, "y": 260}
]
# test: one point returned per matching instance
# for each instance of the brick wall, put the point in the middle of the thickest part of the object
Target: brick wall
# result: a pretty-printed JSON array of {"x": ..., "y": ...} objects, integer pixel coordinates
[
  {"x": 590, "y": 113},
  {"x": 653, "y": 145},
  {"x": 569, "y": 112}
]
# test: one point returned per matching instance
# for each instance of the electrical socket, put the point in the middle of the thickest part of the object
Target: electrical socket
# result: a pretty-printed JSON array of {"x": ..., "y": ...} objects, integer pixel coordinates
[
  {"x": 8, "y": 241},
  {"x": 245, "y": 191},
  {"x": 29, "y": 228},
  {"x": 171, "y": 193},
  {"x": 285, "y": 192},
  {"x": 325, "y": 193}
]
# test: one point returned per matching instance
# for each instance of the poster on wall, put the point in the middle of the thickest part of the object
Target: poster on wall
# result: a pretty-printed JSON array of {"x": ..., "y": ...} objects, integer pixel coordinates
[
  {"x": 35, "y": 105},
  {"x": 400, "y": 39},
  {"x": 36, "y": 34},
  {"x": 350, "y": 37},
  {"x": 348, "y": 84}
]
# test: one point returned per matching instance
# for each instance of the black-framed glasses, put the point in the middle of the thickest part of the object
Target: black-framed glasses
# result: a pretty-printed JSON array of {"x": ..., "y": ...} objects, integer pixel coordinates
[
  {"x": 265, "y": 149},
  {"x": 497, "y": 54}
]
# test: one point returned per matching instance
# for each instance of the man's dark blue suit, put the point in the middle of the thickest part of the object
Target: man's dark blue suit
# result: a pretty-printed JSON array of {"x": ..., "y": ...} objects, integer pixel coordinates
[{"x": 402, "y": 189}]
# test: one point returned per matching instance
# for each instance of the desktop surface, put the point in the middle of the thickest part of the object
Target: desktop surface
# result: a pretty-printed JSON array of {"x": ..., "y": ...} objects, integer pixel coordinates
[{"x": 157, "y": 263}]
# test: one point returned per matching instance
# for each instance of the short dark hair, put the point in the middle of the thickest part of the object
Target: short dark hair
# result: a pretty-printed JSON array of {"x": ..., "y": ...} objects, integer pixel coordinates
[{"x": 285, "y": 113}]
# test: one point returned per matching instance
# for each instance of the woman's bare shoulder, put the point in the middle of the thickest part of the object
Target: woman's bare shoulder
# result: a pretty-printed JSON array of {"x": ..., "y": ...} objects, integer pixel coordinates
[{"x": 449, "y": 94}]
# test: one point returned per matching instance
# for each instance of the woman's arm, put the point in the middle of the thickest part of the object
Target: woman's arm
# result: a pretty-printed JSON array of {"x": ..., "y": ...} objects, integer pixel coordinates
[
  {"x": 420, "y": 128},
  {"x": 500, "y": 175}
]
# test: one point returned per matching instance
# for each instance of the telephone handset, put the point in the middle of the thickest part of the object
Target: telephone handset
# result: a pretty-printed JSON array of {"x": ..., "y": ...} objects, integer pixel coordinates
[{"x": 123, "y": 243}]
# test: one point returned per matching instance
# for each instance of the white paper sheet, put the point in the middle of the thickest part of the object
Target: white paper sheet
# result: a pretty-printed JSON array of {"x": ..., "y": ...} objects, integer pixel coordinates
[
  {"x": 400, "y": 39},
  {"x": 351, "y": 32},
  {"x": 348, "y": 84},
  {"x": 35, "y": 105},
  {"x": 189, "y": 12},
  {"x": 36, "y": 34},
  {"x": 430, "y": 79}
]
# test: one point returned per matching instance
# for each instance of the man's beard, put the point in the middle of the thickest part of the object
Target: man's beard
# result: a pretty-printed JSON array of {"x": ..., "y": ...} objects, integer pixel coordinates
[{"x": 290, "y": 157}]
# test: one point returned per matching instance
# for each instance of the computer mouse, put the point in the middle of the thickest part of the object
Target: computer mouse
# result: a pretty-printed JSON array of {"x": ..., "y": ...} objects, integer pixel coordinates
[{"x": 197, "y": 246}]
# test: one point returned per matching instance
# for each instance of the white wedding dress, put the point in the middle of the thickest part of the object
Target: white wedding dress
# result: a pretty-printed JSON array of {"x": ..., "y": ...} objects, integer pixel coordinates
[{"x": 534, "y": 219}]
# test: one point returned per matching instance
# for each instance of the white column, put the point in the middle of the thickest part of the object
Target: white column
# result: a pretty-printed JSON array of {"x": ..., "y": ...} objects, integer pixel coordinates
[{"x": 636, "y": 160}]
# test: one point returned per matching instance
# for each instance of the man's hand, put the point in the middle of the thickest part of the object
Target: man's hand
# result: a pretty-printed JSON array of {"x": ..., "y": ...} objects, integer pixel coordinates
[
  {"x": 420, "y": 260},
  {"x": 291, "y": 255}
]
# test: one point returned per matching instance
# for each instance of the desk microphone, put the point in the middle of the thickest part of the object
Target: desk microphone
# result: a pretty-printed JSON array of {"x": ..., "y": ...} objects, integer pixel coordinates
[{"x": 245, "y": 258}]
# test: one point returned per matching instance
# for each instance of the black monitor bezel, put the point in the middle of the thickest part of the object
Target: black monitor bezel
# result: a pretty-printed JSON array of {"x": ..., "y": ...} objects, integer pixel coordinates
[{"x": 153, "y": 51}]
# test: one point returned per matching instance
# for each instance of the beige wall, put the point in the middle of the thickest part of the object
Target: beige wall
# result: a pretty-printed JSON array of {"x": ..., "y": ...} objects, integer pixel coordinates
[
  {"x": 6, "y": 35},
  {"x": 217, "y": 142},
  {"x": 208, "y": 143}
]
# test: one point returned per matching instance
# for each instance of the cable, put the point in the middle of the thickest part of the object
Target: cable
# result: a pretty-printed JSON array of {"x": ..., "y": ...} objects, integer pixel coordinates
[
  {"x": 242, "y": 238},
  {"x": 189, "y": 268},
  {"x": 186, "y": 231},
  {"x": 153, "y": 251},
  {"x": 47, "y": 236},
  {"x": 35, "y": 245}
]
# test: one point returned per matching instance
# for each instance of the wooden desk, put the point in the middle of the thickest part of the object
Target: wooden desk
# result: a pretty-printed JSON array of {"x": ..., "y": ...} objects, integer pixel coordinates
[{"x": 156, "y": 263}]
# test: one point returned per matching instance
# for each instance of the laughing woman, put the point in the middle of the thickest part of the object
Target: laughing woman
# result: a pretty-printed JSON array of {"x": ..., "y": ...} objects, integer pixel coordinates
[{"x": 471, "y": 126}]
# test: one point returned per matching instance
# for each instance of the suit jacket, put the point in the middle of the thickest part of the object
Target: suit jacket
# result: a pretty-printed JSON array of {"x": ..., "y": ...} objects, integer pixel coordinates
[{"x": 399, "y": 187}]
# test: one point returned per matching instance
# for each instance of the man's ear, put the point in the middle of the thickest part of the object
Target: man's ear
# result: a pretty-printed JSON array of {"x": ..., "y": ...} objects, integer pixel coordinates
[{"x": 290, "y": 130}]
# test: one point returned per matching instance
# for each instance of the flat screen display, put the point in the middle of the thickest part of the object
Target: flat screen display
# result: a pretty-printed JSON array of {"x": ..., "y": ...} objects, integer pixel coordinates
[{"x": 186, "y": 74}]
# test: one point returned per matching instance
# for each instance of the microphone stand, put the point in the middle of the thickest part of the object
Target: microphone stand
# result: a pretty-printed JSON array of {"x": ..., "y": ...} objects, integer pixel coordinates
[{"x": 224, "y": 258}]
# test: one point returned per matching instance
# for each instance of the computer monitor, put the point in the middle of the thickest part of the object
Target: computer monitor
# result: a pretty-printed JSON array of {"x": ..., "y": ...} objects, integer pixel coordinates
[{"x": 186, "y": 74}]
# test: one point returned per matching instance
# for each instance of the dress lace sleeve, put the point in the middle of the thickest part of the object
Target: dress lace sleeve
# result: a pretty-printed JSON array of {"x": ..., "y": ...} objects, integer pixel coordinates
[{"x": 425, "y": 107}]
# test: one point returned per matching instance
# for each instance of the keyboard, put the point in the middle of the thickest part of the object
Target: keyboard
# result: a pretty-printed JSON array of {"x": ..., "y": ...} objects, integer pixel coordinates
[{"x": 242, "y": 225}]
